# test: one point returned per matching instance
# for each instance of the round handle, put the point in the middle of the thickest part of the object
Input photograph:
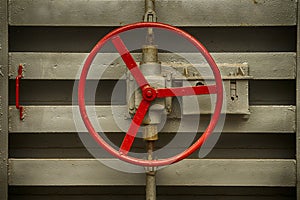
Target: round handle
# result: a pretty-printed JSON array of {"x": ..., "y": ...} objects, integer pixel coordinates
[{"x": 149, "y": 94}]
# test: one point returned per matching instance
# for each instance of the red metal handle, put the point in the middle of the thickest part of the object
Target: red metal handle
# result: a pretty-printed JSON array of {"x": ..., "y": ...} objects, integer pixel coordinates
[
  {"x": 149, "y": 94},
  {"x": 19, "y": 76}
]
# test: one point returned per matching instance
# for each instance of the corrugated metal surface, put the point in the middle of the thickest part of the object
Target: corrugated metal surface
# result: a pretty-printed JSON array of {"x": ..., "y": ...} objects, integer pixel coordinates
[{"x": 255, "y": 158}]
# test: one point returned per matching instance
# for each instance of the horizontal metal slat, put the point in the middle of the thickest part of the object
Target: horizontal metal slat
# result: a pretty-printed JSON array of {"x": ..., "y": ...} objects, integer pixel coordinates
[
  {"x": 189, "y": 172},
  {"x": 166, "y": 193},
  {"x": 40, "y": 119},
  {"x": 179, "y": 13},
  {"x": 69, "y": 145},
  {"x": 66, "y": 65}
]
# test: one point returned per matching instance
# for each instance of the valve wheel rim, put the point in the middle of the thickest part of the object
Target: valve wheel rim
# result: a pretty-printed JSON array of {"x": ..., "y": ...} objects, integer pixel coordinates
[{"x": 141, "y": 81}]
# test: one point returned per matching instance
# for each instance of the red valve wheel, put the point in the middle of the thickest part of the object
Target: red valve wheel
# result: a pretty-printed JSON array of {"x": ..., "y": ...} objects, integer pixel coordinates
[{"x": 149, "y": 94}]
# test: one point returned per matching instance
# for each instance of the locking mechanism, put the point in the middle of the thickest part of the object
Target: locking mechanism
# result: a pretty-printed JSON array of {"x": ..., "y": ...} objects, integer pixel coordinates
[
  {"x": 151, "y": 69},
  {"x": 236, "y": 85}
]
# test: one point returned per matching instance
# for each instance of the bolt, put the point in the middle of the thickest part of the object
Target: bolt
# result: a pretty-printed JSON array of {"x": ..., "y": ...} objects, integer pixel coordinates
[
  {"x": 149, "y": 93},
  {"x": 169, "y": 108},
  {"x": 169, "y": 76},
  {"x": 185, "y": 71},
  {"x": 131, "y": 108}
]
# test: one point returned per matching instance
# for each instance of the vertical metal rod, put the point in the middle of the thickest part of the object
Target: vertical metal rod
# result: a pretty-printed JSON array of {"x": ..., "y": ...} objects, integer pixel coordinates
[
  {"x": 298, "y": 104},
  {"x": 150, "y": 175},
  {"x": 150, "y": 16},
  {"x": 3, "y": 100},
  {"x": 149, "y": 4}
]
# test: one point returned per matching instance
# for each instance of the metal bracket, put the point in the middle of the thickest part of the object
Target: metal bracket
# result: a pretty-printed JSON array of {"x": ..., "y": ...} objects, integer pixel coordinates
[
  {"x": 150, "y": 14},
  {"x": 236, "y": 85},
  {"x": 18, "y": 78}
]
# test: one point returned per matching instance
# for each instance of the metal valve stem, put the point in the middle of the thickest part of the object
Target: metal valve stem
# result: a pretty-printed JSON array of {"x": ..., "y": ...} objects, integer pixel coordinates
[
  {"x": 150, "y": 174},
  {"x": 149, "y": 55}
]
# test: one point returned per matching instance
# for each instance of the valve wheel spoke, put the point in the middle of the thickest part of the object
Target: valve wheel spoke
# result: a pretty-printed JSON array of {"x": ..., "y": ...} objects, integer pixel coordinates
[
  {"x": 134, "y": 127},
  {"x": 129, "y": 61},
  {"x": 186, "y": 91}
]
